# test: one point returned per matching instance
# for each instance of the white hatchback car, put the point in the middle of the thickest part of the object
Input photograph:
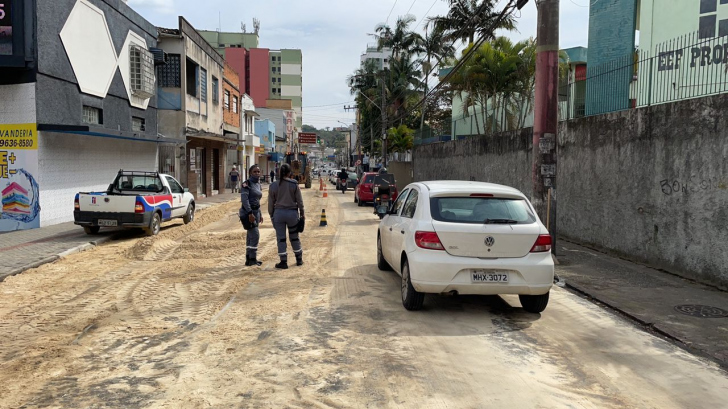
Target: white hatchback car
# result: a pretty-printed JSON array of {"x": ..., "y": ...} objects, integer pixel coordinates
[{"x": 464, "y": 237}]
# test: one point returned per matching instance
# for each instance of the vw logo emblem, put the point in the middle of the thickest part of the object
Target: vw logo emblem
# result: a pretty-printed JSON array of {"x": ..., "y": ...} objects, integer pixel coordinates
[
  {"x": 489, "y": 241},
  {"x": 106, "y": 200}
]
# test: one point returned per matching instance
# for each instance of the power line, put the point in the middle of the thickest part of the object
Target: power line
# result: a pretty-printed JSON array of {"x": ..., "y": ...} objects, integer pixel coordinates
[
  {"x": 329, "y": 105},
  {"x": 426, "y": 13},
  {"x": 410, "y": 8},
  {"x": 390, "y": 11}
]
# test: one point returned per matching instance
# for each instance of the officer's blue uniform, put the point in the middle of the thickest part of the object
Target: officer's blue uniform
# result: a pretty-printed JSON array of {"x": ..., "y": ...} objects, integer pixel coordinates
[{"x": 250, "y": 195}]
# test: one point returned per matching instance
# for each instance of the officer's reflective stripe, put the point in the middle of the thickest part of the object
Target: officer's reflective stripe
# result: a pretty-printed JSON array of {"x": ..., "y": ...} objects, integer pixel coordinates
[
  {"x": 252, "y": 248},
  {"x": 282, "y": 254},
  {"x": 298, "y": 251}
]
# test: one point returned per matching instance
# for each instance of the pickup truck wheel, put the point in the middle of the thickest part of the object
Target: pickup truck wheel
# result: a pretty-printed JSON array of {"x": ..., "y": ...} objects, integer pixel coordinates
[
  {"x": 190, "y": 215},
  {"x": 91, "y": 229},
  {"x": 154, "y": 226}
]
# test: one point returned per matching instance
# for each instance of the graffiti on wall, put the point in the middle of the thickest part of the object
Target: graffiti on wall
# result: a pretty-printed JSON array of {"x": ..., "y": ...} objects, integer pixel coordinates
[
  {"x": 692, "y": 184},
  {"x": 19, "y": 188}
]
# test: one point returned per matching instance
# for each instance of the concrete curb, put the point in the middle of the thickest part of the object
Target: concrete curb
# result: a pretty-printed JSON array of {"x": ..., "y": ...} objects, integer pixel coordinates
[{"x": 649, "y": 326}]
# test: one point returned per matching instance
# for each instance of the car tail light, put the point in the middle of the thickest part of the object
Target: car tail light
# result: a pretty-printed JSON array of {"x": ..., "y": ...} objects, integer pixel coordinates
[
  {"x": 543, "y": 243},
  {"x": 428, "y": 240},
  {"x": 138, "y": 207},
  {"x": 76, "y": 204}
]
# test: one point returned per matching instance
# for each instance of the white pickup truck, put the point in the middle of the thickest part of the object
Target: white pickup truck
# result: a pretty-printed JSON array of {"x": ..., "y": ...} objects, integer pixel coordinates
[{"x": 135, "y": 200}]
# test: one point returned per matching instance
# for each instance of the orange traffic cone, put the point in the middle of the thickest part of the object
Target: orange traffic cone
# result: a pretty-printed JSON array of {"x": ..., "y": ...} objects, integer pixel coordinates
[{"x": 326, "y": 192}]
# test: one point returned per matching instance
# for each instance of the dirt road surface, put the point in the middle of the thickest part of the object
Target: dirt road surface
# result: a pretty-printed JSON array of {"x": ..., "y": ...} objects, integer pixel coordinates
[{"x": 178, "y": 321}]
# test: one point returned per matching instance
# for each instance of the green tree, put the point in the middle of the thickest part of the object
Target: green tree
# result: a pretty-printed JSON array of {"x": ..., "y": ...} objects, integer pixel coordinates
[
  {"x": 400, "y": 139},
  {"x": 468, "y": 18},
  {"x": 400, "y": 38},
  {"x": 435, "y": 49}
]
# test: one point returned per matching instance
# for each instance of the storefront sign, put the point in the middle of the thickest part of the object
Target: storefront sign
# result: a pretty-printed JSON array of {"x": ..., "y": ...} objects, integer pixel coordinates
[
  {"x": 6, "y": 27},
  {"x": 18, "y": 170}
]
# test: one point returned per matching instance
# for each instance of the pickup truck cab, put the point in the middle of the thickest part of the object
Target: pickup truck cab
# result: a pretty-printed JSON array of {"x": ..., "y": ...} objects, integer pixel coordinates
[{"x": 135, "y": 200}]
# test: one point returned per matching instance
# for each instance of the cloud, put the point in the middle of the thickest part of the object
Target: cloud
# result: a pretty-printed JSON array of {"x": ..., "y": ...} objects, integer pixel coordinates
[{"x": 159, "y": 6}]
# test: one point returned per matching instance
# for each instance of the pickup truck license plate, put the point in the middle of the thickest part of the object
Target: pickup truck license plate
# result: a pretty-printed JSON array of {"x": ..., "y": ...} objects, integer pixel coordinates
[
  {"x": 489, "y": 276},
  {"x": 108, "y": 223}
]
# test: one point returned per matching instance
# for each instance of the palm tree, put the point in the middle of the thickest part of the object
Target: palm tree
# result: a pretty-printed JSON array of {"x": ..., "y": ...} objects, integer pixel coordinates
[
  {"x": 402, "y": 84},
  {"x": 436, "y": 48},
  {"x": 400, "y": 38},
  {"x": 467, "y": 18}
]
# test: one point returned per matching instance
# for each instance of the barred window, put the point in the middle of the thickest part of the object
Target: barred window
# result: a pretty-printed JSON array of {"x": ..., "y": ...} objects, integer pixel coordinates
[
  {"x": 235, "y": 104},
  {"x": 226, "y": 100},
  {"x": 168, "y": 74},
  {"x": 203, "y": 84},
  {"x": 215, "y": 90}
]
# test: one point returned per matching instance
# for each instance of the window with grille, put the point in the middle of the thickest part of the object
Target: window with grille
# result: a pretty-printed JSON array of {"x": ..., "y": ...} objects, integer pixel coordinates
[
  {"x": 141, "y": 67},
  {"x": 226, "y": 100},
  {"x": 215, "y": 90},
  {"x": 138, "y": 124},
  {"x": 168, "y": 74},
  {"x": 235, "y": 104},
  {"x": 92, "y": 115},
  {"x": 203, "y": 85}
]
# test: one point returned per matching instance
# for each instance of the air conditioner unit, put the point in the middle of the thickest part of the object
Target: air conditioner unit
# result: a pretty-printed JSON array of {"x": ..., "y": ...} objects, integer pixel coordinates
[
  {"x": 141, "y": 67},
  {"x": 160, "y": 57}
]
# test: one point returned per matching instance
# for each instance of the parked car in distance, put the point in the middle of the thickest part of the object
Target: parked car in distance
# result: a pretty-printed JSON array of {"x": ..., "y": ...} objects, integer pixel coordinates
[
  {"x": 364, "y": 193},
  {"x": 134, "y": 200},
  {"x": 463, "y": 237}
]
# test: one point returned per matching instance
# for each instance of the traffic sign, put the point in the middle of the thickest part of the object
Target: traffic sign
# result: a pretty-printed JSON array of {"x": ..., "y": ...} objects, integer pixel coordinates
[{"x": 307, "y": 137}]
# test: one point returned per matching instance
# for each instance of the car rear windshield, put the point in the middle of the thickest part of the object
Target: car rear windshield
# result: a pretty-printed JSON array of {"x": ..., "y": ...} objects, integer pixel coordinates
[
  {"x": 139, "y": 183},
  {"x": 369, "y": 179},
  {"x": 481, "y": 210}
]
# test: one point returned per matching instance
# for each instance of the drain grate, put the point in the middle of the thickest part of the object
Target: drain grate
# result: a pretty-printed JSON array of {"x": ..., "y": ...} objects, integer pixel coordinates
[{"x": 701, "y": 311}]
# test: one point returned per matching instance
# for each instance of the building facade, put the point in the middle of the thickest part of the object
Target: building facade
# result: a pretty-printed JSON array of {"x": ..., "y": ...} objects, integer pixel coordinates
[
  {"x": 77, "y": 103},
  {"x": 251, "y": 140},
  {"x": 378, "y": 57},
  {"x": 232, "y": 114},
  {"x": 191, "y": 88},
  {"x": 647, "y": 52}
]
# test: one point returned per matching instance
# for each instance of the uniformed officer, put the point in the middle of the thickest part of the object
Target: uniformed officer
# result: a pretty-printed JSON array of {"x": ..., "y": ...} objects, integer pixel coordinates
[
  {"x": 250, "y": 195},
  {"x": 285, "y": 207}
]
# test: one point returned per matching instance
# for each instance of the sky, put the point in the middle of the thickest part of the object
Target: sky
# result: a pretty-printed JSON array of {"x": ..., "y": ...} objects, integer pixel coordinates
[{"x": 333, "y": 34}]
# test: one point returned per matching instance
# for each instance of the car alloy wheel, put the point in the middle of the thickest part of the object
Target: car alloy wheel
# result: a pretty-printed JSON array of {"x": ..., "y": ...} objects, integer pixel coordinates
[
  {"x": 412, "y": 299},
  {"x": 381, "y": 262}
]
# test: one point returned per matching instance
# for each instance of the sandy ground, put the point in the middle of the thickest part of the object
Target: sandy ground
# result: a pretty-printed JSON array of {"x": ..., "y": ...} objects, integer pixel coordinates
[{"x": 178, "y": 321}]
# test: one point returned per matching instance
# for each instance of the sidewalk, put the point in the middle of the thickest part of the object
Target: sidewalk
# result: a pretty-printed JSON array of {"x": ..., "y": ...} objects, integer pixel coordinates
[
  {"x": 692, "y": 314},
  {"x": 24, "y": 249}
]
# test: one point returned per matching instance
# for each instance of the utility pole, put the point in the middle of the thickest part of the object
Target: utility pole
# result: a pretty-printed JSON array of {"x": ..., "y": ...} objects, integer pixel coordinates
[
  {"x": 545, "y": 117},
  {"x": 384, "y": 123}
]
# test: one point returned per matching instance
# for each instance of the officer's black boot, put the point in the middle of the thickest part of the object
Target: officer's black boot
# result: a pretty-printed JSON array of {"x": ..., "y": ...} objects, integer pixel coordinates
[
  {"x": 282, "y": 265},
  {"x": 299, "y": 260}
]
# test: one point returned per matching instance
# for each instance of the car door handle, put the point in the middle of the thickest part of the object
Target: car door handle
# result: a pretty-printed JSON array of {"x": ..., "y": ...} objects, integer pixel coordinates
[
  {"x": 402, "y": 231},
  {"x": 390, "y": 229}
]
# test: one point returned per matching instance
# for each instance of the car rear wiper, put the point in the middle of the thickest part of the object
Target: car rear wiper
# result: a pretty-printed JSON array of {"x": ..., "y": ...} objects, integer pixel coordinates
[{"x": 500, "y": 221}]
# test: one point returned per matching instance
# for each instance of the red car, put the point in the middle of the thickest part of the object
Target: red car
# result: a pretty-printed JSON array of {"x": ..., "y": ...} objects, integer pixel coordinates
[{"x": 363, "y": 191}]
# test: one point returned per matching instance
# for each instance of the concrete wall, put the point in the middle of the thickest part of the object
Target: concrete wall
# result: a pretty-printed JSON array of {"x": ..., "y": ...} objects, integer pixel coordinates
[
  {"x": 70, "y": 163},
  {"x": 402, "y": 172},
  {"x": 649, "y": 184}
]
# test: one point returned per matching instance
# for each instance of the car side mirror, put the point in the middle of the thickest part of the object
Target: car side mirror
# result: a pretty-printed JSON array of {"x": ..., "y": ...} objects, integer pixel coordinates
[{"x": 186, "y": 190}]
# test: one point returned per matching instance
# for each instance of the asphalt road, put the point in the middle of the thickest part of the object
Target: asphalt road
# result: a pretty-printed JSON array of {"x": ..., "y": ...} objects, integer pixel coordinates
[{"x": 178, "y": 321}]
